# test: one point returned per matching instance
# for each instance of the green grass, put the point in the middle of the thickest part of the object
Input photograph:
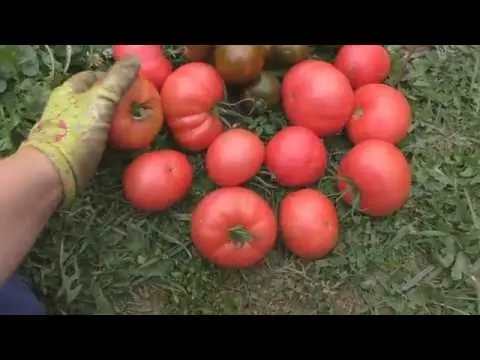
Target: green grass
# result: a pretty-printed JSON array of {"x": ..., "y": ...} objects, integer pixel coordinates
[{"x": 101, "y": 256}]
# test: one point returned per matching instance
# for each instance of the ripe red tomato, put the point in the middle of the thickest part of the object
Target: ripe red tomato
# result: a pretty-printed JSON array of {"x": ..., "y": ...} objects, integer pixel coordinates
[
  {"x": 317, "y": 96},
  {"x": 380, "y": 173},
  {"x": 296, "y": 156},
  {"x": 234, "y": 157},
  {"x": 189, "y": 97},
  {"x": 381, "y": 112},
  {"x": 233, "y": 227},
  {"x": 157, "y": 180},
  {"x": 143, "y": 52},
  {"x": 309, "y": 223},
  {"x": 154, "y": 66},
  {"x": 363, "y": 64},
  {"x": 130, "y": 130}
]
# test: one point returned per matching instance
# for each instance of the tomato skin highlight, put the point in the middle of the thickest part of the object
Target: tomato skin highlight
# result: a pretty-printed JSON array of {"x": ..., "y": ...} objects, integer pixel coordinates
[
  {"x": 363, "y": 64},
  {"x": 228, "y": 208},
  {"x": 318, "y": 96},
  {"x": 154, "y": 65},
  {"x": 234, "y": 157},
  {"x": 381, "y": 174},
  {"x": 189, "y": 97},
  {"x": 309, "y": 223},
  {"x": 296, "y": 156},
  {"x": 383, "y": 113},
  {"x": 128, "y": 133},
  {"x": 157, "y": 180}
]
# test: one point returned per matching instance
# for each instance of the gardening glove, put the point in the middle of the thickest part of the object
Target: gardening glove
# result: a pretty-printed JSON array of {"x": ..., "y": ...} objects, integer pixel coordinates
[{"x": 73, "y": 129}]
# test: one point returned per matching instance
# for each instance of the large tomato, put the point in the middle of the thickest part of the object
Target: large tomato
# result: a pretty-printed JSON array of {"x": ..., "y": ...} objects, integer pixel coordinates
[
  {"x": 189, "y": 97},
  {"x": 154, "y": 66},
  {"x": 363, "y": 64},
  {"x": 138, "y": 118},
  {"x": 234, "y": 157},
  {"x": 157, "y": 180},
  {"x": 239, "y": 64},
  {"x": 381, "y": 112},
  {"x": 380, "y": 173},
  {"x": 318, "y": 96},
  {"x": 309, "y": 223},
  {"x": 296, "y": 156},
  {"x": 233, "y": 227}
]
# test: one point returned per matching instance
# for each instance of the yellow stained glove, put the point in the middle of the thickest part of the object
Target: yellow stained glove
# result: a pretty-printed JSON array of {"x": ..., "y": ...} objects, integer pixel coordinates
[{"x": 73, "y": 129}]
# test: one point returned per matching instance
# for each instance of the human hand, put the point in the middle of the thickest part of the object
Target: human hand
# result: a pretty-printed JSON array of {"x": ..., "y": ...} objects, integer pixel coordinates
[{"x": 73, "y": 129}]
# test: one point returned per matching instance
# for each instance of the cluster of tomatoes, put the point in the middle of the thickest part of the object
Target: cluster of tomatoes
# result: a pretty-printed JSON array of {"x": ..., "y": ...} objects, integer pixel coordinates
[{"x": 234, "y": 226}]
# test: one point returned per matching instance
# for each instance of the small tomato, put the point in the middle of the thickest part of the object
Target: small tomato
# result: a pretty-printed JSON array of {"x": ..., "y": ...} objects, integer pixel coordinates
[
  {"x": 261, "y": 95},
  {"x": 288, "y": 55},
  {"x": 239, "y": 64},
  {"x": 363, "y": 64},
  {"x": 234, "y": 157},
  {"x": 157, "y": 180},
  {"x": 154, "y": 66},
  {"x": 309, "y": 223},
  {"x": 197, "y": 52},
  {"x": 296, "y": 156}
]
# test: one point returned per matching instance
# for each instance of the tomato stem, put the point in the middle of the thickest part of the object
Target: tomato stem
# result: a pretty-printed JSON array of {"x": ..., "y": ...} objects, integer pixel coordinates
[
  {"x": 354, "y": 192},
  {"x": 357, "y": 114},
  {"x": 239, "y": 235},
  {"x": 138, "y": 111},
  {"x": 236, "y": 102}
]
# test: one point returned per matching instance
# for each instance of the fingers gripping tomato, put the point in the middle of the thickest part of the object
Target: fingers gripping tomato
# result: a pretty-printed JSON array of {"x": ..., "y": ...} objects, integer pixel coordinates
[
  {"x": 154, "y": 67},
  {"x": 233, "y": 227},
  {"x": 138, "y": 118},
  {"x": 189, "y": 97}
]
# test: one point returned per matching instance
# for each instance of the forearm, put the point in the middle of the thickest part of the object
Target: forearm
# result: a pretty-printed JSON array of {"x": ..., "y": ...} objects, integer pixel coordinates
[
  {"x": 70, "y": 137},
  {"x": 30, "y": 191}
]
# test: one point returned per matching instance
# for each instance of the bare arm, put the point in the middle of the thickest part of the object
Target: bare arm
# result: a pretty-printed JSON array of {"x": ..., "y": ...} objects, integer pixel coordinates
[
  {"x": 30, "y": 191},
  {"x": 58, "y": 158}
]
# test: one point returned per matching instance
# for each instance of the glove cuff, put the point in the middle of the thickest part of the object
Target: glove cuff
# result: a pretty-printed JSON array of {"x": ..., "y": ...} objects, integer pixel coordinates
[{"x": 63, "y": 166}]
